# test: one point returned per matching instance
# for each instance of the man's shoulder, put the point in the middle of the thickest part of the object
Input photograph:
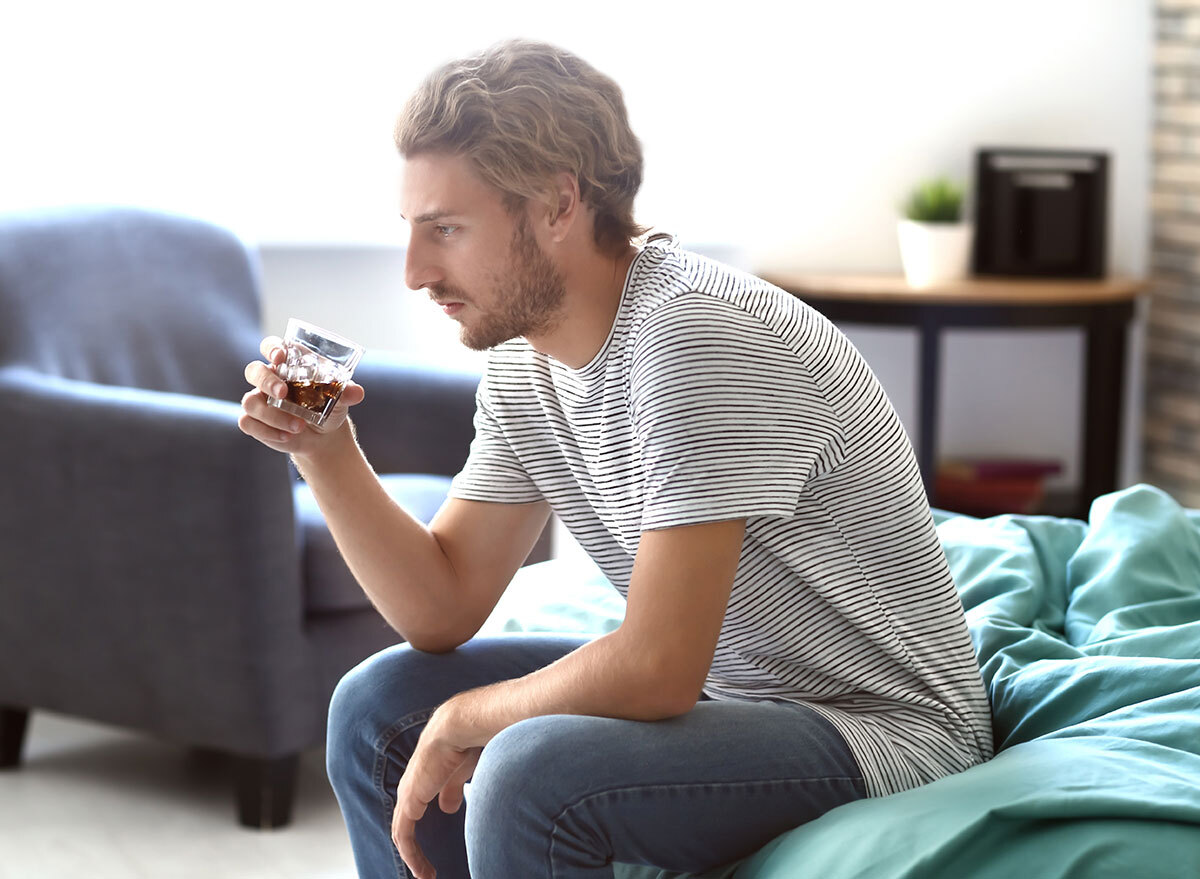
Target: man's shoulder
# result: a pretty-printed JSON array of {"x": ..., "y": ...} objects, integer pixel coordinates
[
  {"x": 683, "y": 291},
  {"x": 670, "y": 272}
]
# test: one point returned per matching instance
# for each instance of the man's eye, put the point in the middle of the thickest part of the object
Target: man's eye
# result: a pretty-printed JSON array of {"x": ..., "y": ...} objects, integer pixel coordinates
[{"x": 445, "y": 231}]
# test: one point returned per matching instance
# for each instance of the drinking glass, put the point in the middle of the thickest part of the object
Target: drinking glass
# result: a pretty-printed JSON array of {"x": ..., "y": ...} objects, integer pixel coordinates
[{"x": 318, "y": 365}]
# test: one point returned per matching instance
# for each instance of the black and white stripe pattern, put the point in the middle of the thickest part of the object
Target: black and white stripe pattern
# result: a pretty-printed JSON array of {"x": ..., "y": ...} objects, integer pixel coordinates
[{"x": 718, "y": 396}]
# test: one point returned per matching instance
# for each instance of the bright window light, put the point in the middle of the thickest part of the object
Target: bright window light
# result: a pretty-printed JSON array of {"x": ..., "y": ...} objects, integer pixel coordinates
[{"x": 797, "y": 129}]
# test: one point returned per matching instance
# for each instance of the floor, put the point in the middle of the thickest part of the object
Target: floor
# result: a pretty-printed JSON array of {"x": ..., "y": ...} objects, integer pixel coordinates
[{"x": 103, "y": 803}]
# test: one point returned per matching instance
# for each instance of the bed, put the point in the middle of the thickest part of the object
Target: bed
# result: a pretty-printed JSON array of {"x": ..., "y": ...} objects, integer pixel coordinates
[{"x": 1088, "y": 637}]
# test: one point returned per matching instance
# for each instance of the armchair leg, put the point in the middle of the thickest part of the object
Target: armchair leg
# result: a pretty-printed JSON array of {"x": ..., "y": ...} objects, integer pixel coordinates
[
  {"x": 265, "y": 790},
  {"x": 13, "y": 724}
]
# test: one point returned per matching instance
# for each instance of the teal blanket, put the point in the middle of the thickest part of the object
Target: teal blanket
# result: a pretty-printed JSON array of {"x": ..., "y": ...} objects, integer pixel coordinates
[{"x": 1088, "y": 637}]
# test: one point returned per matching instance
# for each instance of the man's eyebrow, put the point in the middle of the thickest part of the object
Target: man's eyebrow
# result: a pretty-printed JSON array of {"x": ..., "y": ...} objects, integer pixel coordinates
[{"x": 430, "y": 217}]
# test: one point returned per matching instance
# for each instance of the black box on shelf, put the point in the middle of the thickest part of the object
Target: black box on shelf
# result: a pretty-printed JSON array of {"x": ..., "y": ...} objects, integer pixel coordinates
[{"x": 1040, "y": 213}]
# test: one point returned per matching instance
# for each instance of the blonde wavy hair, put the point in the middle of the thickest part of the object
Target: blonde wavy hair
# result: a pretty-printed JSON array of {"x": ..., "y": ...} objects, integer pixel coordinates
[{"x": 523, "y": 111}]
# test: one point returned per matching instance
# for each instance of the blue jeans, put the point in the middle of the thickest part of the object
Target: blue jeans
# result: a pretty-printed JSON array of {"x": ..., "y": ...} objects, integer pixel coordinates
[{"x": 565, "y": 796}]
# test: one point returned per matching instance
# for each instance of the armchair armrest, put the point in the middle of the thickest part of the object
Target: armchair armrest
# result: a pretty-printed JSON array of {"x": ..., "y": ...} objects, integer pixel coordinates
[
  {"x": 416, "y": 417},
  {"x": 117, "y": 467},
  {"x": 140, "y": 526}
]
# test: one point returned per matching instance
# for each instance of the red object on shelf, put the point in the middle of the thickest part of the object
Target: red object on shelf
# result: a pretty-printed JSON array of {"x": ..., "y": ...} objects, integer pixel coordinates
[
  {"x": 988, "y": 497},
  {"x": 987, "y": 486},
  {"x": 998, "y": 468}
]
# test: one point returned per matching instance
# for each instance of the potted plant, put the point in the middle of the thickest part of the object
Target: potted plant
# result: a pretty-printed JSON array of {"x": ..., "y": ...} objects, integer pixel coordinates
[{"x": 935, "y": 240}]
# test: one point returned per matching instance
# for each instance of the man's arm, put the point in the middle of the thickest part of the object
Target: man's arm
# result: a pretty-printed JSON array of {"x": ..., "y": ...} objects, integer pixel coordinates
[
  {"x": 435, "y": 585},
  {"x": 652, "y": 667}
]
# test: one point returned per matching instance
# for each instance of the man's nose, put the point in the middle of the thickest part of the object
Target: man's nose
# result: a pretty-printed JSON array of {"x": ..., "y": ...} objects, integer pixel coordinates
[{"x": 420, "y": 270}]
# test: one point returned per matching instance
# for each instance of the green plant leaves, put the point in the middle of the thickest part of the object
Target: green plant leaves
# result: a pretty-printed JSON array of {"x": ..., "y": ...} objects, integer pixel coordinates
[{"x": 935, "y": 201}]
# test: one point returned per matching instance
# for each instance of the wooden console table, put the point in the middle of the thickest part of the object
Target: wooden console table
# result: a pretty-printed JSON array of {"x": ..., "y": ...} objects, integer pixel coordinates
[{"x": 1103, "y": 309}]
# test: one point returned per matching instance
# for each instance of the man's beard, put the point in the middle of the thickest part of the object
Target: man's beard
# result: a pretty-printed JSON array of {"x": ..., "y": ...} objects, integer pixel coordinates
[{"x": 530, "y": 300}]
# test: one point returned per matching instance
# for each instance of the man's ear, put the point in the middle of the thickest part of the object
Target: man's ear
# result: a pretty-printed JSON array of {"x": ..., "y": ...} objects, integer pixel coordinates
[{"x": 563, "y": 206}]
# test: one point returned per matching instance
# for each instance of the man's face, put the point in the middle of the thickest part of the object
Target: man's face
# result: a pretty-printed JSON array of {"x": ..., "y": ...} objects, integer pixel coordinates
[{"x": 482, "y": 264}]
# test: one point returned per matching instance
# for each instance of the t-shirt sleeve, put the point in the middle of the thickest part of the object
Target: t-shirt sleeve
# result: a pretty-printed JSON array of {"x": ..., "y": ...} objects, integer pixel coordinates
[
  {"x": 730, "y": 421},
  {"x": 492, "y": 471}
]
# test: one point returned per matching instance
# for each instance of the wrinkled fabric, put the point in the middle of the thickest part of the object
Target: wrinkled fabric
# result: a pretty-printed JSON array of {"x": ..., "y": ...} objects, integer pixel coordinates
[{"x": 1088, "y": 636}]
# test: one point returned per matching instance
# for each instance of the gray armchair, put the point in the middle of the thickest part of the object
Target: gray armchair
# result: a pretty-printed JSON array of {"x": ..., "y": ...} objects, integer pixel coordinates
[{"x": 160, "y": 570}]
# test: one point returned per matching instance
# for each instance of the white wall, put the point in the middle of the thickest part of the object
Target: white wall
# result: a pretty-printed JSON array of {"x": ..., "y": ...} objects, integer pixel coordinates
[{"x": 789, "y": 136}]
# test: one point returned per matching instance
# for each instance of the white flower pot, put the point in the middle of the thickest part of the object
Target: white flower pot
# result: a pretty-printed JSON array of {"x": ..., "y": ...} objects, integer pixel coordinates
[{"x": 934, "y": 253}]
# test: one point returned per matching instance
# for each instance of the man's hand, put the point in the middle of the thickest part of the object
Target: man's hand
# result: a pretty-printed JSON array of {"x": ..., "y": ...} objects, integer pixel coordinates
[
  {"x": 275, "y": 428},
  {"x": 441, "y": 764}
]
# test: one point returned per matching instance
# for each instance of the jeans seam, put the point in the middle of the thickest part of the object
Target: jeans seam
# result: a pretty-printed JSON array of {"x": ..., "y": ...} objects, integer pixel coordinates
[
  {"x": 382, "y": 742},
  {"x": 680, "y": 786}
]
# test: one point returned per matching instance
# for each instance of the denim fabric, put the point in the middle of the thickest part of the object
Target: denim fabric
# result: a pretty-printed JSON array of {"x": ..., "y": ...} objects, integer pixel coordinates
[{"x": 565, "y": 796}]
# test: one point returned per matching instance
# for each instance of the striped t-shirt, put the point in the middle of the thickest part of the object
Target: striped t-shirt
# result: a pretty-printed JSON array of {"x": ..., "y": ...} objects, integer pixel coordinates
[{"x": 718, "y": 396}]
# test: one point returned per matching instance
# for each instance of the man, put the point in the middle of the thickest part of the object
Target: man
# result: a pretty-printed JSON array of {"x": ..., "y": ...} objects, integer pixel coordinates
[{"x": 793, "y": 639}]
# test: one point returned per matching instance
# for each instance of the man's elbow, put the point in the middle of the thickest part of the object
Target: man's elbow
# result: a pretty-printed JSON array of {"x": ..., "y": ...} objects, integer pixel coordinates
[
  {"x": 437, "y": 636},
  {"x": 677, "y": 704},
  {"x": 440, "y": 640},
  {"x": 671, "y": 690},
  {"x": 433, "y": 646}
]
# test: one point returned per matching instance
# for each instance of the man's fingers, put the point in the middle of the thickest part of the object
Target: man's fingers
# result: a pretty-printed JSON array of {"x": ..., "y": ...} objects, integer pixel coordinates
[
  {"x": 255, "y": 405},
  {"x": 404, "y": 837},
  {"x": 265, "y": 379},
  {"x": 450, "y": 799},
  {"x": 279, "y": 440},
  {"x": 269, "y": 424},
  {"x": 352, "y": 394},
  {"x": 272, "y": 349},
  {"x": 417, "y": 862},
  {"x": 433, "y": 767}
]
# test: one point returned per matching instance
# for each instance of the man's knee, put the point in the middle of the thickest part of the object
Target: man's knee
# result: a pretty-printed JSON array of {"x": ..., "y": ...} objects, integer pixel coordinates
[
  {"x": 352, "y": 696},
  {"x": 368, "y": 698},
  {"x": 531, "y": 765},
  {"x": 529, "y": 777},
  {"x": 394, "y": 689},
  {"x": 344, "y": 738}
]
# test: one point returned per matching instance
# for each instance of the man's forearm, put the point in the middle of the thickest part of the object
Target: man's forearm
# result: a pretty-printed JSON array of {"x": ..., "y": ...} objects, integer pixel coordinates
[
  {"x": 651, "y": 668},
  {"x": 395, "y": 558},
  {"x": 606, "y": 677}
]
